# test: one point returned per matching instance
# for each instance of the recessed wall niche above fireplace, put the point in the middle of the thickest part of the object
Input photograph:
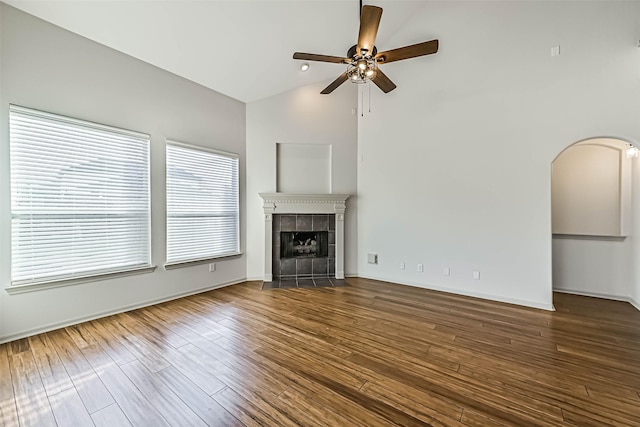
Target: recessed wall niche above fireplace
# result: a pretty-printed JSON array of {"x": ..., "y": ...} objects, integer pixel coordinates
[{"x": 311, "y": 226}]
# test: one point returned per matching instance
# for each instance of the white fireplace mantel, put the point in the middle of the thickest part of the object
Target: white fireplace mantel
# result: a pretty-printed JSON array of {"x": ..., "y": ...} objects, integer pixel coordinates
[{"x": 285, "y": 203}]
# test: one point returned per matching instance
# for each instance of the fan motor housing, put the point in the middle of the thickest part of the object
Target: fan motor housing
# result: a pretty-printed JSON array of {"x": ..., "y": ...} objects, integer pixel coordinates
[{"x": 353, "y": 51}]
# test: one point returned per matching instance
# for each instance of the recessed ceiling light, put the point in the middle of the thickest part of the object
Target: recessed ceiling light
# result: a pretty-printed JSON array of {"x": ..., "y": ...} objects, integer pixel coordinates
[{"x": 304, "y": 67}]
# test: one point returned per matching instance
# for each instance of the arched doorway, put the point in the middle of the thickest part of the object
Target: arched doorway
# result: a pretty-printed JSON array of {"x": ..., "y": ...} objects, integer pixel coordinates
[{"x": 592, "y": 188}]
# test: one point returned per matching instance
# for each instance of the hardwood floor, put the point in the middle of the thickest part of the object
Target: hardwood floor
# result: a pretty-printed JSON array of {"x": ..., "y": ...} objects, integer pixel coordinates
[{"x": 366, "y": 354}]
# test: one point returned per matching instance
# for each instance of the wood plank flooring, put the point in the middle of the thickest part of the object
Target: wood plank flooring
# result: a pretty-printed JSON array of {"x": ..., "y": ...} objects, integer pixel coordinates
[{"x": 366, "y": 354}]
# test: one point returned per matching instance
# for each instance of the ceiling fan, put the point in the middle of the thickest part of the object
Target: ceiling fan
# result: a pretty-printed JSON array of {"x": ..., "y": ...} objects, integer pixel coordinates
[{"x": 363, "y": 58}]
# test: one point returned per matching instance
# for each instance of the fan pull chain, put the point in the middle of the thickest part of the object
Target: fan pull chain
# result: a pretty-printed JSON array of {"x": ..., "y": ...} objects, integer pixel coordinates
[{"x": 362, "y": 103}]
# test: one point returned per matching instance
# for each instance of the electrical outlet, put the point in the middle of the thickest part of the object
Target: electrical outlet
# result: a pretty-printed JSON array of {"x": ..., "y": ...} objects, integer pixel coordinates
[
  {"x": 476, "y": 275},
  {"x": 212, "y": 267},
  {"x": 372, "y": 258},
  {"x": 420, "y": 268},
  {"x": 447, "y": 271},
  {"x": 402, "y": 265}
]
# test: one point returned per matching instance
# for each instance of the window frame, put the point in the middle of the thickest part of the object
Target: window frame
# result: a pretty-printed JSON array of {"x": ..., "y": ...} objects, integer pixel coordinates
[
  {"x": 76, "y": 277},
  {"x": 169, "y": 265}
]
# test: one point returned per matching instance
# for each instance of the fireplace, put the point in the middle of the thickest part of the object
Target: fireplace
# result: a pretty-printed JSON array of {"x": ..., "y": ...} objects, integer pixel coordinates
[{"x": 293, "y": 222}]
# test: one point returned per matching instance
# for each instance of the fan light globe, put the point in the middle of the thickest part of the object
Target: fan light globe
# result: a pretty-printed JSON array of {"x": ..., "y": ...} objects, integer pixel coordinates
[
  {"x": 362, "y": 64},
  {"x": 304, "y": 67}
]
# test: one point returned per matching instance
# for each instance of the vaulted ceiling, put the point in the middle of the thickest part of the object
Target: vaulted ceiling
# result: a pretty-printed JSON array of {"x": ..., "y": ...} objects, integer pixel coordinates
[{"x": 240, "y": 48}]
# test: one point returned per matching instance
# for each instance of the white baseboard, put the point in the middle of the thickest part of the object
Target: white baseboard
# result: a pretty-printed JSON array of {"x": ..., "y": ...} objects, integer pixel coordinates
[
  {"x": 591, "y": 294},
  {"x": 498, "y": 298},
  {"x": 75, "y": 321},
  {"x": 600, "y": 295}
]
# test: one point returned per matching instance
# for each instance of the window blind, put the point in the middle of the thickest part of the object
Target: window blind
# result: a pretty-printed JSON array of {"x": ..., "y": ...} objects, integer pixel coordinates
[
  {"x": 203, "y": 219},
  {"x": 79, "y": 198}
]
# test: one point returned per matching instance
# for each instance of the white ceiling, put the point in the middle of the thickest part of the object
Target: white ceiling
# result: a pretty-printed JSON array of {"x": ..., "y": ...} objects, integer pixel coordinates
[{"x": 240, "y": 48}]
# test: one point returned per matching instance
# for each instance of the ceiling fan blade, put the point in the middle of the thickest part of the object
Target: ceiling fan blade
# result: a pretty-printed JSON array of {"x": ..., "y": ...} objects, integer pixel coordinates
[
  {"x": 383, "y": 82},
  {"x": 369, "y": 22},
  {"x": 334, "y": 84},
  {"x": 420, "y": 49},
  {"x": 321, "y": 58}
]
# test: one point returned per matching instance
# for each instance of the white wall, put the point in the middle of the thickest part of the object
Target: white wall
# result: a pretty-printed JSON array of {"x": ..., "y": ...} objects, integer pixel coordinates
[
  {"x": 47, "y": 68},
  {"x": 457, "y": 160},
  {"x": 301, "y": 116},
  {"x": 593, "y": 266}
]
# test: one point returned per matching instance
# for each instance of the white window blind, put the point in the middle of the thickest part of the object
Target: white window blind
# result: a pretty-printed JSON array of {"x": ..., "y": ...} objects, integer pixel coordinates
[
  {"x": 79, "y": 198},
  {"x": 203, "y": 213}
]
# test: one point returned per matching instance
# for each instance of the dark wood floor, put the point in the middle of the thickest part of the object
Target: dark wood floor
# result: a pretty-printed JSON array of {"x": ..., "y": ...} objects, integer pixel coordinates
[{"x": 366, "y": 354}]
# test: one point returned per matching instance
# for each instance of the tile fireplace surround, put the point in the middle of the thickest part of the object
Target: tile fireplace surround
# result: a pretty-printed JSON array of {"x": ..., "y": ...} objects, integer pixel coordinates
[{"x": 284, "y": 203}]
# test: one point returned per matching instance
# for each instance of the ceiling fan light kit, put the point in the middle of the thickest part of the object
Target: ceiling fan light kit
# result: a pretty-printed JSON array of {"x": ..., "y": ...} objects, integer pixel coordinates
[
  {"x": 363, "y": 71},
  {"x": 362, "y": 59}
]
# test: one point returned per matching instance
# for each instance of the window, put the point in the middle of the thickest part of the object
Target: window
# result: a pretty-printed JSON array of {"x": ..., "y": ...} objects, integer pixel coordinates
[
  {"x": 79, "y": 198},
  {"x": 202, "y": 204}
]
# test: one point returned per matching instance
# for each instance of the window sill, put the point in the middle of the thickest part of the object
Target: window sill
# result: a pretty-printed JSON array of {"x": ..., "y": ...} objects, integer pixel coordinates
[
  {"x": 602, "y": 237},
  {"x": 180, "y": 264},
  {"x": 33, "y": 287}
]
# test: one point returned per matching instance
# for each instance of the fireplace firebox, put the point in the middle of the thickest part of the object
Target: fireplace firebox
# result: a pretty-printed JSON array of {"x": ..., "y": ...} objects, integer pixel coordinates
[{"x": 304, "y": 244}]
